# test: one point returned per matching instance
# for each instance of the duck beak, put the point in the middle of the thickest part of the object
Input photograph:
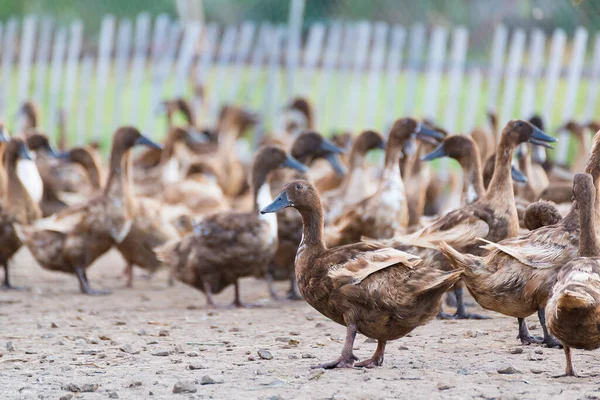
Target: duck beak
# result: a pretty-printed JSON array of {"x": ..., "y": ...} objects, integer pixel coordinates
[
  {"x": 541, "y": 139},
  {"x": 382, "y": 145},
  {"x": 279, "y": 203},
  {"x": 328, "y": 147},
  {"x": 517, "y": 175},
  {"x": 66, "y": 155},
  {"x": 291, "y": 162},
  {"x": 143, "y": 140},
  {"x": 197, "y": 136},
  {"x": 51, "y": 151},
  {"x": 24, "y": 153},
  {"x": 4, "y": 136},
  {"x": 439, "y": 152},
  {"x": 425, "y": 133},
  {"x": 336, "y": 163}
]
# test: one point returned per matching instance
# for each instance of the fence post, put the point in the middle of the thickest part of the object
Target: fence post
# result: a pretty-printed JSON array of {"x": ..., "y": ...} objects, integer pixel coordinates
[
  {"x": 553, "y": 68},
  {"x": 225, "y": 52},
  {"x": 394, "y": 62},
  {"x": 87, "y": 67},
  {"x": 186, "y": 56},
  {"x": 238, "y": 70},
  {"x": 138, "y": 66},
  {"x": 42, "y": 58},
  {"x": 511, "y": 78},
  {"x": 102, "y": 72},
  {"x": 209, "y": 45},
  {"x": 27, "y": 47},
  {"x": 330, "y": 58},
  {"x": 458, "y": 55},
  {"x": 273, "y": 78},
  {"x": 437, "y": 55},
  {"x": 361, "y": 47},
  {"x": 123, "y": 48},
  {"x": 472, "y": 107},
  {"x": 8, "y": 55},
  {"x": 592, "y": 95},
  {"x": 415, "y": 50},
  {"x": 375, "y": 71},
  {"x": 312, "y": 53},
  {"x": 76, "y": 34},
  {"x": 58, "y": 59},
  {"x": 536, "y": 56},
  {"x": 573, "y": 78},
  {"x": 294, "y": 42},
  {"x": 496, "y": 65}
]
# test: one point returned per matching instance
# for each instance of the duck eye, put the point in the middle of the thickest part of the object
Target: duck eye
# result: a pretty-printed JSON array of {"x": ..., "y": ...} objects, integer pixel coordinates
[
  {"x": 520, "y": 123},
  {"x": 298, "y": 186}
]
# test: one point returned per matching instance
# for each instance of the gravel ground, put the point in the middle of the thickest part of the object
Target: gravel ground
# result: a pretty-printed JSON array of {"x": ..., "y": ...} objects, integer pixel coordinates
[{"x": 153, "y": 341}]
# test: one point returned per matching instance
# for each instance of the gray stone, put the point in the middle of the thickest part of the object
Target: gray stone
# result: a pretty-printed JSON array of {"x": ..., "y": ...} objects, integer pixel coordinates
[
  {"x": 508, "y": 370},
  {"x": 265, "y": 354},
  {"x": 184, "y": 387}
]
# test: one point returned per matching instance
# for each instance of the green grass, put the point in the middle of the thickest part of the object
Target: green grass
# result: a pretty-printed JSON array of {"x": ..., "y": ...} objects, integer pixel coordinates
[{"x": 253, "y": 95}]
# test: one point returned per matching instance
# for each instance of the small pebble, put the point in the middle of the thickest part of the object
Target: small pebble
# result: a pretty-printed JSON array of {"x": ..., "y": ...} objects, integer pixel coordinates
[
  {"x": 463, "y": 371},
  {"x": 71, "y": 387},
  {"x": 47, "y": 335},
  {"x": 184, "y": 387},
  {"x": 282, "y": 339},
  {"x": 89, "y": 387},
  {"x": 141, "y": 332},
  {"x": 80, "y": 342},
  {"x": 120, "y": 323},
  {"x": 508, "y": 370},
  {"x": 307, "y": 355},
  {"x": 134, "y": 384},
  {"x": 113, "y": 395},
  {"x": 163, "y": 353},
  {"x": 152, "y": 342},
  {"x": 163, "y": 332},
  {"x": 265, "y": 354},
  {"x": 127, "y": 349},
  {"x": 66, "y": 397},
  {"x": 539, "y": 351},
  {"x": 194, "y": 367},
  {"x": 402, "y": 348},
  {"x": 294, "y": 333},
  {"x": 207, "y": 380},
  {"x": 516, "y": 350},
  {"x": 53, "y": 325},
  {"x": 444, "y": 386},
  {"x": 10, "y": 347},
  {"x": 193, "y": 354},
  {"x": 370, "y": 340},
  {"x": 104, "y": 337},
  {"x": 94, "y": 340},
  {"x": 536, "y": 371},
  {"x": 533, "y": 356}
]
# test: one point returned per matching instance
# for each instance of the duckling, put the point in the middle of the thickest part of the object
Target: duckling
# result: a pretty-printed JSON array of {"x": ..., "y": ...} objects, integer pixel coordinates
[
  {"x": 541, "y": 213},
  {"x": 16, "y": 206},
  {"x": 308, "y": 148},
  {"x": 493, "y": 217},
  {"x": 225, "y": 247},
  {"x": 572, "y": 312},
  {"x": 385, "y": 212},
  {"x": 73, "y": 239},
  {"x": 356, "y": 184},
  {"x": 378, "y": 291},
  {"x": 517, "y": 275}
]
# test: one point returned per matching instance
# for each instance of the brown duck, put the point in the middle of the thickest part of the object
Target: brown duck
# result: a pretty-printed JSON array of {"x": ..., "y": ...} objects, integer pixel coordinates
[
  {"x": 16, "y": 205},
  {"x": 225, "y": 247},
  {"x": 378, "y": 291},
  {"x": 73, "y": 239},
  {"x": 573, "y": 311}
]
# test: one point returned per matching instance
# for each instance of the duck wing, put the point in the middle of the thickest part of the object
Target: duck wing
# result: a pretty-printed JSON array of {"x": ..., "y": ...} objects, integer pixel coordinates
[{"x": 357, "y": 261}]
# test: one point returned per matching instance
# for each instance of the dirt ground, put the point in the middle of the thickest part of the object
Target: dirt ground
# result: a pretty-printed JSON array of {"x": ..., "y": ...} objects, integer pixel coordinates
[{"x": 138, "y": 344}]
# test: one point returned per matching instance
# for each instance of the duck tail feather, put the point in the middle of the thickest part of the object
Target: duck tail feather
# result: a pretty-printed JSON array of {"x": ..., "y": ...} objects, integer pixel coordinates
[{"x": 457, "y": 259}]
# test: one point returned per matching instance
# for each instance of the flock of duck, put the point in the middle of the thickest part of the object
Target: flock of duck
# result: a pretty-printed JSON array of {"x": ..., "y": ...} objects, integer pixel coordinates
[{"x": 374, "y": 249}]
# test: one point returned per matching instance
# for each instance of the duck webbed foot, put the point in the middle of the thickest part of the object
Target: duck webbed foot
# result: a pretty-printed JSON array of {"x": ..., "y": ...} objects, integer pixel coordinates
[
  {"x": 524, "y": 335},
  {"x": 84, "y": 285},
  {"x": 377, "y": 358},
  {"x": 7, "y": 285},
  {"x": 461, "y": 311},
  {"x": 549, "y": 340},
  {"x": 237, "y": 301},
  {"x": 347, "y": 359}
]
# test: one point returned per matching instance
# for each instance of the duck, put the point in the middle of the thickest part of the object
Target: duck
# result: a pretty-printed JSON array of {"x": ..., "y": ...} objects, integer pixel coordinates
[
  {"x": 27, "y": 118},
  {"x": 356, "y": 183},
  {"x": 380, "y": 292},
  {"x": 16, "y": 205},
  {"x": 73, "y": 239},
  {"x": 227, "y": 246},
  {"x": 541, "y": 213},
  {"x": 493, "y": 217},
  {"x": 308, "y": 148},
  {"x": 572, "y": 312},
  {"x": 384, "y": 213},
  {"x": 517, "y": 275}
]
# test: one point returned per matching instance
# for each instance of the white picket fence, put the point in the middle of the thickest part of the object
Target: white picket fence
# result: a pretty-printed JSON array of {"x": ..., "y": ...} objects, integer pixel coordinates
[{"x": 358, "y": 74}]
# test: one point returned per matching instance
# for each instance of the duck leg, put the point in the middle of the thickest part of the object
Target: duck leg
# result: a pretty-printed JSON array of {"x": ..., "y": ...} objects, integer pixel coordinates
[
  {"x": 377, "y": 358},
  {"x": 347, "y": 359},
  {"x": 210, "y": 302},
  {"x": 461, "y": 311},
  {"x": 272, "y": 292},
  {"x": 524, "y": 335},
  {"x": 294, "y": 292},
  {"x": 570, "y": 369},
  {"x": 84, "y": 285},
  {"x": 6, "y": 285},
  {"x": 129, "y": 274},
  {"x": 548, "y": 340}
]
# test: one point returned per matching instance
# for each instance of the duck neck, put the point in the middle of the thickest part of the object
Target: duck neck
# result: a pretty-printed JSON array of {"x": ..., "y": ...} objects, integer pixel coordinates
[
  {"x": 118, "y": 182},
  {"x": 593, "y": 168},
  {"x": 92, "y": 169},
  {"x": 501, "y": 185},
  {"x": 19, "y": 201},
  {"x": 584, "y": 145},
  {"x": 473, "y": 189},
  {"x": 589, "y": 246},
  {"x": 312, "y": 230},
  {"x": 391, "y": 167}
]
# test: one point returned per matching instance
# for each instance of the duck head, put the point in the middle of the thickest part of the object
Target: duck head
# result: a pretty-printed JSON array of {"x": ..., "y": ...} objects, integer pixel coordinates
[
  {"x": 574, "y": 128},
  {"x": 518, "y": 131},
  {"x": 298, "y": 194},
  {"x": 170, "y": 107},
  {"x": 16, "y": 149},
  {"x": 402, "y": 136},
  {"x": 40, "y": 143},
  {"x": 190, "y": 135},
  {"x": 459, "y": 147},
  {"x": 237, "y": 119},
  {"x": 270, "y": 158},
  {"x": 128, "y": 137},
  {"x": 26, "y": 117},
  {"x": 85, "y": 158},
  {"x": 310, "y": 146},
  {"x": 593, "y": 126},
  {"x": 298, "y": 115}
]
